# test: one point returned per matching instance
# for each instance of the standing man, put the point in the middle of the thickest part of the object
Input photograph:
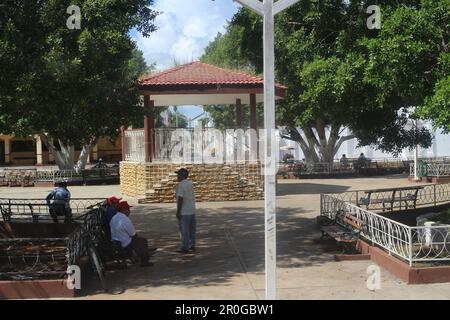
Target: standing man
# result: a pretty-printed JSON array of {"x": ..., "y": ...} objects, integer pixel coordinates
[
  {"x": 123, "y": 231},
  {"x": 186, "y": 211},
  {"x": 61, "y": 203}
]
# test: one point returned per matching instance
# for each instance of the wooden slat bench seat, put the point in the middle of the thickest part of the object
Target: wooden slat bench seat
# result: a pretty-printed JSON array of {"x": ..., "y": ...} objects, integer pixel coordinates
[{"x": 344, "y": 229}]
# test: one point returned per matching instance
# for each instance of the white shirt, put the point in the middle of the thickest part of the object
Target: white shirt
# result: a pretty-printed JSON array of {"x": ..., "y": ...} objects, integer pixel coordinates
[
  {"x": 122, "y": 229},
  {"x": 185, "y": 189}
]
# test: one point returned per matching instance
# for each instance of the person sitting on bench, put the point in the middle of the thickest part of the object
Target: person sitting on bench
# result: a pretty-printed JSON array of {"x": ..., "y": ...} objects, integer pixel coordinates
[
  {"x": 111, "y": 210},
  {"x": 123, "y": 231},
  {"x": 61, "y": 203}
]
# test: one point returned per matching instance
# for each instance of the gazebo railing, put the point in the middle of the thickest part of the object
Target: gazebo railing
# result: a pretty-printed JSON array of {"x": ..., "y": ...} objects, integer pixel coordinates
[
  {"x": 134, "y": 145},
  {"x": 193, "y": 144}
]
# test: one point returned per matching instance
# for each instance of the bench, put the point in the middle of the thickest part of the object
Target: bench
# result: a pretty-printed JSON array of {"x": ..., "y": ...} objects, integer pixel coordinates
[
  {"x": 388, "y": 201},
  {"x": 3, "y": 179},
  {"x": 344, "y": 229}
]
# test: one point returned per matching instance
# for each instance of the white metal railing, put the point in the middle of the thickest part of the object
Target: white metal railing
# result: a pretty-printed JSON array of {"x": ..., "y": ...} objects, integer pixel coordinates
[
  {"x": 194, "y": 145},
  {"x": 413, "y": 244},
  {"x": 431, "y": 194},
  {"x": 438, "y": 169},
  {"x": 433, "y": 169},
  {"x": 134, "y": 145}
]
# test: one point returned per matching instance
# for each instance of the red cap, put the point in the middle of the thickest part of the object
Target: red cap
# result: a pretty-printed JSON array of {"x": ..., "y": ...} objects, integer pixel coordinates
[
  {"x": 123, "y": 205},
  {"x": 113, "y": 200}
]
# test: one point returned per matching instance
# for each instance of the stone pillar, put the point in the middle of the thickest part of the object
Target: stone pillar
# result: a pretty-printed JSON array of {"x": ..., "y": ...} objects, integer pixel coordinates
[
  {"x": 8, "y": 150},
  {"x": 238, "y": 113},
  {"x": 149, "y": 126},
  {"x": 95, "y": 152},
  {"x": 39, "y": 158},
  {"x": 253, "y": 123}
]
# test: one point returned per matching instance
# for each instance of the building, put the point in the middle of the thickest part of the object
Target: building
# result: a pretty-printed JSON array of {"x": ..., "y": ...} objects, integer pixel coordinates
[{"x": 29, "y": 151}]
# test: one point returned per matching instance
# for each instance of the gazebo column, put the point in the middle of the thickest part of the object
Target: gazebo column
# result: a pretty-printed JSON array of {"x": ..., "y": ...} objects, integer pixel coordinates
[
  {"x": 122, "y": 140},
  {"x": 238, "y": 113},
  {"x": 149, "y": 126},
  {"x": 253, "y": 124}
]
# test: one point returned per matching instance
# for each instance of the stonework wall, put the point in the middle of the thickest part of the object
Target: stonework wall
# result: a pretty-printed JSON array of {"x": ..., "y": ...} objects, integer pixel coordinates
[{"x": 156, "y": 182}]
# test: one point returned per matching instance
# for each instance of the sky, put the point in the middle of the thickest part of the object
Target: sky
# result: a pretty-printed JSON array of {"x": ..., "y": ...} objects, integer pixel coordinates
[{"x": 185, "y": 27}]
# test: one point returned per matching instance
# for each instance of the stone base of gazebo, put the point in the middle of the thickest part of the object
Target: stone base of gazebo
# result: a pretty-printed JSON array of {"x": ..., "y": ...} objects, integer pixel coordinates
[{"x": 154, "y": 182}]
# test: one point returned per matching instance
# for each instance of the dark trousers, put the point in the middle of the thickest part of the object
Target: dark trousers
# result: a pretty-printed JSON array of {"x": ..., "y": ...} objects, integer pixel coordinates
[
  {"x": 187, "y": 225},
  {"x": 140, "y": 247},
  {"x": 58, "y": 209}
]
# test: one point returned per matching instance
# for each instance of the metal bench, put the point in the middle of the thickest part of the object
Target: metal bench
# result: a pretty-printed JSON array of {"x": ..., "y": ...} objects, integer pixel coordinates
[
  {"x": 344, "y": 229},
  {"x": 394, "y": 196},
  {"x": 3, "y": 179}
]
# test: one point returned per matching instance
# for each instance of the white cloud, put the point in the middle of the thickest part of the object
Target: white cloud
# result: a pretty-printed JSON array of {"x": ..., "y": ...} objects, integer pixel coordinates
[{"x": 185, "y": 29}]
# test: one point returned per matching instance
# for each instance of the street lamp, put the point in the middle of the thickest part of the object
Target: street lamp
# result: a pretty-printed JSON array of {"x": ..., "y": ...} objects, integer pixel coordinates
[{"x": 268, "y": 9}]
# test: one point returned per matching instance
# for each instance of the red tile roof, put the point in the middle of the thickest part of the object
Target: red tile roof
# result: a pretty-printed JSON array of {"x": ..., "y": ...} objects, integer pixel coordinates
[{"x": 199, "y": 73}]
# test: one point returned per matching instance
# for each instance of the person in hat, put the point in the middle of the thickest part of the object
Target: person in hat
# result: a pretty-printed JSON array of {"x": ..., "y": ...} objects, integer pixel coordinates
[
  {"x": 111, "y": 210},
  {"x": 60, "y": 206},
  {"x": 123, "y": 231},
  {"x": 186, "y": 211}
]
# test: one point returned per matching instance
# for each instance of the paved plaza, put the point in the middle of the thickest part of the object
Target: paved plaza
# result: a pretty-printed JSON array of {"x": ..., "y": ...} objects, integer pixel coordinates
[{"x": 229, "y": 263}]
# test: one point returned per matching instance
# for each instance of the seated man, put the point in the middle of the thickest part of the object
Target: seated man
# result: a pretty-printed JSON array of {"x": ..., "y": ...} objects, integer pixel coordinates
[
  {"x": 111, "y": 210},
  {"x": 344, "y": 161},
  {"x": 61, "y": 203},
  {"x": 123, "y": 231},
  {"x": 362, "y": 161}
]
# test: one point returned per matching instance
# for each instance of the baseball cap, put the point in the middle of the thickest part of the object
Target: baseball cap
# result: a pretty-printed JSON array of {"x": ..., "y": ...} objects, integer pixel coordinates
[
  {"x": 123, "y": 205},
  {"x": 182, "y": 171},
  {"x": 113, "y": 200}
]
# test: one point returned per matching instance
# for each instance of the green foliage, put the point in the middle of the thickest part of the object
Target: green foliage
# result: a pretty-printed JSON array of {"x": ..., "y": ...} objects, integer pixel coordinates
[
  {"x": 341, "y": 74},
  {"x": 409, "y": 61},
  {"x": 73, "y": 85},
  {"x": 224, "y": 116}
]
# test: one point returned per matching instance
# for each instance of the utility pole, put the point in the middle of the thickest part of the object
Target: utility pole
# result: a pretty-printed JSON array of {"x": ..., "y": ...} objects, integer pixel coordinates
[{"x": 268, "y": 9}]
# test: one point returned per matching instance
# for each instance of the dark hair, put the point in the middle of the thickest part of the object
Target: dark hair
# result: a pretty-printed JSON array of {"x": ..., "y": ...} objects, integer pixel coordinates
[
  {"x": 62, "y": 184},
  {"x": 183, "y": 172}
]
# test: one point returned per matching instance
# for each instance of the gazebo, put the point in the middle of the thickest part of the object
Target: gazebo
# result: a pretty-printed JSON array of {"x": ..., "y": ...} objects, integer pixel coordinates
[{"x": 147, "y": 172}]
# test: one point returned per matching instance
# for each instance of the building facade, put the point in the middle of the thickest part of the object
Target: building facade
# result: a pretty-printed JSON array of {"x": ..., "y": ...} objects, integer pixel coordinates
[{"x": 30, "y": 151}]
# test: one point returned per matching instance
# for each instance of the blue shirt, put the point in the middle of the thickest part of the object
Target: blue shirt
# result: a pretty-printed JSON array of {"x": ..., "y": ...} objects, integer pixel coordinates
[
  {"x": 59, "y": 195},
  {"x": 110, "y": 212}
]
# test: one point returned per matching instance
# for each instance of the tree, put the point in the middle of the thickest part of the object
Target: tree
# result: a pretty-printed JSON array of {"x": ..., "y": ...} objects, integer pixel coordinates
[
  {"x": 82, "y": 81},
  {"x": 409, "y": 63},
  {"x": 321, "y": 57}
]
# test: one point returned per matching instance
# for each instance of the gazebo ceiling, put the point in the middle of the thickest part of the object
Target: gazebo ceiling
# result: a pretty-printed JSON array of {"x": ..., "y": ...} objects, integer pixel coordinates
[{"x": 198, "y": 83}]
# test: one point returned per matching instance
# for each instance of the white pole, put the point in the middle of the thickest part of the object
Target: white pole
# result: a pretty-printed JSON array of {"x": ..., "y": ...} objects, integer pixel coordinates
[
  {"x": 269, "y": 155},
  {"x": 416, "y": 157},
  {"x": 267, "y": 9}
]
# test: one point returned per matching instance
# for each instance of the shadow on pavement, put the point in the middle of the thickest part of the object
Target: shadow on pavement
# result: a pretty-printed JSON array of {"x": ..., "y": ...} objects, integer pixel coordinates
[{"x": 230, "y": 242}]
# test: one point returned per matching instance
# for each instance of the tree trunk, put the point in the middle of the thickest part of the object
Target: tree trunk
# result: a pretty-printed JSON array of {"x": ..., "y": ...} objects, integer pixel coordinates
[
  {"x": 315, "y": 145},
  {"x": 67, "y": 155},
  {"x": 82, "y": 159},
  {"x": 65, "y": 158}
]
